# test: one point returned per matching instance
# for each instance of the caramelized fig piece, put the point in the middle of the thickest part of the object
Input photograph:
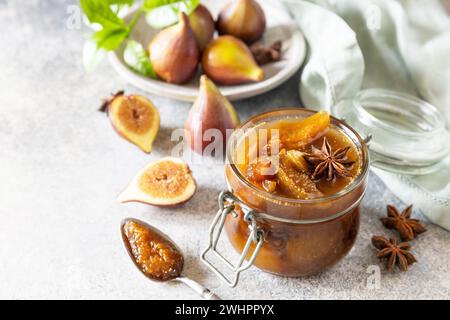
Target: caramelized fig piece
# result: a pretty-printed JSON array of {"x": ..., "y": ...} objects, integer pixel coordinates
[
  {"x": 166, "y": 182},
  {"x": 203, "y": 26},
  {"x": 272, "y": 148},
  {"x": 297, "y": 160},
  {"x": 174, "y": 52},
  {"x": 306, "y": 130},
  {"x": 243, "y": 19},
  {"x": 262, "y": 169},
  {"x": 135, "y": 118},
  {"x": 295, "y": 183},
  {"x": 269, "y": 185},
  {"x": 227, "y": 60},
  {"x": 211, "y": 110}
]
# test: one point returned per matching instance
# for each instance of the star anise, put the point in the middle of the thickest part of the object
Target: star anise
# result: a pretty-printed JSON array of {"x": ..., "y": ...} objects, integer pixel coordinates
[
  {"x": 329, "y": 163},
  {"x": 395, "y": 253},
  {"x": 402, "y": 222},
  {"x": 264, "y": 55}
]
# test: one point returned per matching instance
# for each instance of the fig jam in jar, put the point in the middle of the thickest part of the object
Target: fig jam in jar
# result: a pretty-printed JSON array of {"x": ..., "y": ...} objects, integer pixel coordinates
[{"x": 295, "y": 182}]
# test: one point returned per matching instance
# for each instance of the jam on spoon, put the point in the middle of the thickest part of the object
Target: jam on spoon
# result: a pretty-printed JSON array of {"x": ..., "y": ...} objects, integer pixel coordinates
[{"x": 156, "y": 256}]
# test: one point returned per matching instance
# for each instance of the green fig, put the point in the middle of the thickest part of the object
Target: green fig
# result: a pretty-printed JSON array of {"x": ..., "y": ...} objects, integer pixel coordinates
[
  {"x": 243, "y": 19},
  {"x": 227, "y": 60},
  {"x": 203, "y": 26},
  {"x": 174, "y": 52},
  {"x": 211, "y": 110}
]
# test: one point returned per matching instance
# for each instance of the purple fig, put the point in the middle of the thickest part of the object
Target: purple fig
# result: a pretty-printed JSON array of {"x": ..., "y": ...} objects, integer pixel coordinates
[
  {"x": 243, "y": 19},
  {"x": 174, "y": 52}
]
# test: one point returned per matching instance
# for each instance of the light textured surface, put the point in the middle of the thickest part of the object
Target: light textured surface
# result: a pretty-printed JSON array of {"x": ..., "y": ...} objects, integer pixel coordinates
[{"x": 61, "y": 167}]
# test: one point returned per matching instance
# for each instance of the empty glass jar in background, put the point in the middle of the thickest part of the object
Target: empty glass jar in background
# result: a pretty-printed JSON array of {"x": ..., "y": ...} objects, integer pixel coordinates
[{"x": 408, "y": 135}]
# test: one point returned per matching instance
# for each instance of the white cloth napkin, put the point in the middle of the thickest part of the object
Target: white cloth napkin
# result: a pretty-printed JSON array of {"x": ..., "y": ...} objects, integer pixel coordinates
[{"x": 401, "y": 45}]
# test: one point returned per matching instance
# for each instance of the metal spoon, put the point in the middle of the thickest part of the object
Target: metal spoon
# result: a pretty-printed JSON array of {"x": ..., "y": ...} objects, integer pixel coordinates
[{"x": 198, "y": 288}]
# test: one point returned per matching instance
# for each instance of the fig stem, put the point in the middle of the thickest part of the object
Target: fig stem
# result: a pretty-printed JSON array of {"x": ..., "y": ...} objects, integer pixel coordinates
[
  {"x": 135, "y": 19},
  {"x": 104, "y": 106},
  {"x": 107, "y": 101}
]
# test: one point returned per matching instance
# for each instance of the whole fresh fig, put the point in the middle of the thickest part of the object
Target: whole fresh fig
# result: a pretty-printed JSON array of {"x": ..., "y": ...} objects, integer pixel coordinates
[
  {"x": 211, "y": 111},
  {"x": 174, "y": 52},
  {"x": 228, "y": 61},
  {"x": 244, "y": 19},
  {"x": 203, "y": 26}
]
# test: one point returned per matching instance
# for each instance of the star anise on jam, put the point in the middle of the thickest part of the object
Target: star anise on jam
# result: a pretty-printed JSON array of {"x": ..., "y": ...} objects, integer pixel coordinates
[
  {"x": 396, "y": 254},
  {"x": 329, "y": 163},
  {"x": 402, "y": 222}
]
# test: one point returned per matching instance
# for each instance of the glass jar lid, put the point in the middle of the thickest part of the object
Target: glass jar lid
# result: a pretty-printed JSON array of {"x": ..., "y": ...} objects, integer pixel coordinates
[{"x": 408, "y": 134}]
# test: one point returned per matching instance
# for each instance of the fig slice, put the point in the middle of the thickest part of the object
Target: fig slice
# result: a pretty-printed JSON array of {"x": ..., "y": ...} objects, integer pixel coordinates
[
  {"x": 166, "y": 182},
  {"x": 135, "y": 118}
]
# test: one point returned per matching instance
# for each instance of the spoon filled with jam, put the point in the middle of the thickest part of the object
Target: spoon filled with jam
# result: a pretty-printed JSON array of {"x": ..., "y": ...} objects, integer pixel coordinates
[{"x": 156, "y": 256}]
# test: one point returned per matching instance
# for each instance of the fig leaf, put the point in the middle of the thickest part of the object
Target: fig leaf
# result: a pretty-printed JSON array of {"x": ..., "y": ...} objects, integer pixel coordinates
[
  {"x": 137, "y": 59},
  {"x": 99, "y": 11},
  {"x": 163, "y": 13}
]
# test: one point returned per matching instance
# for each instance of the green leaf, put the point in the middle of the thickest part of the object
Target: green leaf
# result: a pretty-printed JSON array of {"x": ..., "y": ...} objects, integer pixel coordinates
[
  {"x": 163, "y": 13},
  {"x": 110, "y": 38},
  {"x": 137, "y": 59},
  {"x": 113, "y": 29},
  {"x": 99, "y": 11},
  {"x": 118, "y": 5},
  {"x": 121, "y": 2}
]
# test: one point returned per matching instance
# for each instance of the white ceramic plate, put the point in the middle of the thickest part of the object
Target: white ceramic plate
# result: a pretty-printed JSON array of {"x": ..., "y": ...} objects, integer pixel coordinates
[{"x": 280, "y": 26}]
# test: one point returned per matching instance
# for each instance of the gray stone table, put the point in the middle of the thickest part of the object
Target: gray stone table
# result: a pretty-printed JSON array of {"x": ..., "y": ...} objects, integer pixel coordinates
[{"x": 62, "y": 166}]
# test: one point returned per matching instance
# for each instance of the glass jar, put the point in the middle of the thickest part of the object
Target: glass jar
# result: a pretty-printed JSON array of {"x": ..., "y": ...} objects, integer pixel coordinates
[
  {"x": 408, "y": 135},
  {"x": 285, "y": 236}
]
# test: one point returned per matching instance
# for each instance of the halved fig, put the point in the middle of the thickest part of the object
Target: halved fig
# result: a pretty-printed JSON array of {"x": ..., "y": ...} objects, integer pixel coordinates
[
  {"x": 166, "y": 182},
  {"x": 135, "y": 118}
]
